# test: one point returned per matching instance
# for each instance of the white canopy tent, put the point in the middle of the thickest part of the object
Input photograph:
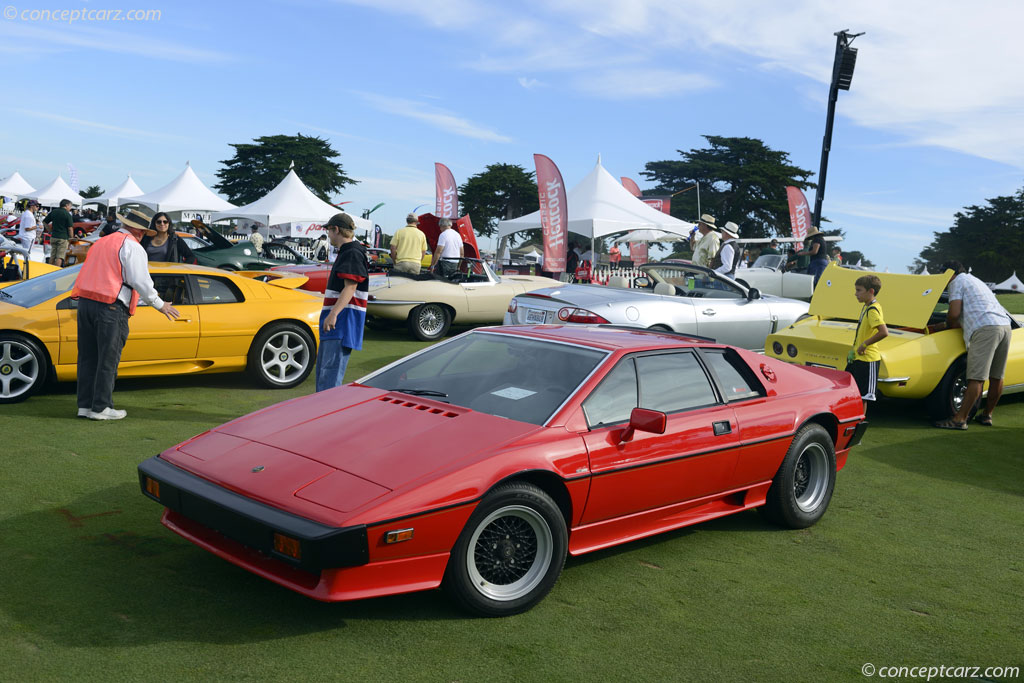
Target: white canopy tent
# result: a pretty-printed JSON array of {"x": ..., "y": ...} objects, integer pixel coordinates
[
  {"x": 1010, "y": 284},
  {"x": 650, "y": 236},
  {"x": 14, "y": 185},
  {"x": 126, "y": 189},
  {"x": 52, "y": 194},
  {"x": 290, "y": 202},
  {"x": 599, "y": 205},
  {"x": 184, "y": 193}
]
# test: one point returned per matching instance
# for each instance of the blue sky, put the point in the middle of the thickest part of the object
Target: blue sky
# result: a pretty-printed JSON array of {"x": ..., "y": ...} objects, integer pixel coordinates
[{"x": 934, "y": 120}]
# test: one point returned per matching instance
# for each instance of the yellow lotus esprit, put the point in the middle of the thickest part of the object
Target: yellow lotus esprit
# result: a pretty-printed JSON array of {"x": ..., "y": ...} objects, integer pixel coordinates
[
  {"x": 915, "y": 364},
  {"x": 229, "y": 322}
]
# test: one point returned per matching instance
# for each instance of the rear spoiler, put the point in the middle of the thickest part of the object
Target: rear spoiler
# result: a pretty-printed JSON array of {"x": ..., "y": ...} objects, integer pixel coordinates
[{"x": 282, "y": 278}]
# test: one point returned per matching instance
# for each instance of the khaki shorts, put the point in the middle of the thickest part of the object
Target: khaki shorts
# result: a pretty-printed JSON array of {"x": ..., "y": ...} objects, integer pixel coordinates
[
  {"x": 411, "y": 267},
  {"x": 58, "y": 249},
  {"x": 986, "y": 354}
]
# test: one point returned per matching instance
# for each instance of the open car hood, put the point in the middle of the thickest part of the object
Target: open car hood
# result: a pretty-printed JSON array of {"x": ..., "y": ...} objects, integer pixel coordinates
[{"x": 906, "y": 300}]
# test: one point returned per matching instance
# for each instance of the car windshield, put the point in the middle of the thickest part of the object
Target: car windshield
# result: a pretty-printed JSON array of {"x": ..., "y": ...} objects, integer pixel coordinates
[
  {"x": 692, "y": 281},
  {"x": 464, "y": 270},
  {"x": 772, "y": 261},
  {"x": 39, "y": 289},
  {"x": 498, "y": 374}
]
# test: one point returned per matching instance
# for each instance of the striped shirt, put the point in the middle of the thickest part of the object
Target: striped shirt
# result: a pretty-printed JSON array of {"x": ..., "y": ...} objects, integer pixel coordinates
[
  {"x": 350, "y": 265},
  {"x": 980, "y": 308}
]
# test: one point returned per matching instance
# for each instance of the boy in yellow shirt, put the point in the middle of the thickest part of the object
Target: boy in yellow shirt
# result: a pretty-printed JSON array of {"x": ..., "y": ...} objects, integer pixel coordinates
[{"x": 863, "y": 358}]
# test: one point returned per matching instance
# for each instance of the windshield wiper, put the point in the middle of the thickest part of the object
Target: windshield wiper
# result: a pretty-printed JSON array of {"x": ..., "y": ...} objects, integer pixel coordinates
[
  {"x": 6, "y": 295},
  {"x": 417, "y": 392}
]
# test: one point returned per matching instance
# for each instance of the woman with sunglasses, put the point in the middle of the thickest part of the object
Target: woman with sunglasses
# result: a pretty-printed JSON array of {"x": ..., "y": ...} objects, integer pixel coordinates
[{"x": 166, "y": 245}]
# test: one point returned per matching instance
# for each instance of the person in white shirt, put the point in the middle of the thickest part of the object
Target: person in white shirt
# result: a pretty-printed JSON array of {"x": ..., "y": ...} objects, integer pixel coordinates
[
  {"x": 724, "y": 261},
  {"x": 449, "y": 249},
  {"x": 27, "y": 226}
]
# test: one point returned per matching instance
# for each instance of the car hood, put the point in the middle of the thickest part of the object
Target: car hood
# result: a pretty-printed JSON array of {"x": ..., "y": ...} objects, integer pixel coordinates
[
  {"x": 906, "y": 300},
  {"x": 388, "y": 439}
]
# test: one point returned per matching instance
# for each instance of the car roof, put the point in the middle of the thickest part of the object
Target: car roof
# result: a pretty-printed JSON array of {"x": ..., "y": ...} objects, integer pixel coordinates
[{"x": 607, "y": 337}]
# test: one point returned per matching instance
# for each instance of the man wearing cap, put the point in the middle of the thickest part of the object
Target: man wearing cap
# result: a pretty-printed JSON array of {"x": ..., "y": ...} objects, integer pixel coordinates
[
  {"x": 706, "y": 246},
  {"x": 409, "y": 246},
  {"x": 344, "y": 312},
  {"x": 724, "y": 261},
  {"x": 27, "y": 225},
  {"x": 772, "y": 248},
  {"x": 108, "y": 287}
]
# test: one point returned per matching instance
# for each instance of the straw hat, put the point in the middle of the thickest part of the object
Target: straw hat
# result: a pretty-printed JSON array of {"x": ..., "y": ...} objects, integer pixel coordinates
[
  {"x": 136, "y": 219},
  {"x": 708, "y": 220},
  {"x": 730, "y": 229}
]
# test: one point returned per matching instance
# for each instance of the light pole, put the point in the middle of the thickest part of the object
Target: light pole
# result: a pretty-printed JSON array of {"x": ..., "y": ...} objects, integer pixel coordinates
[{"x": 842, "y": 74}]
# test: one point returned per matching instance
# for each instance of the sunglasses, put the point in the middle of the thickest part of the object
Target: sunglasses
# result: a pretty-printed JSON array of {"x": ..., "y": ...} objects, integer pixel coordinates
[{"x": 162, "y": 221}]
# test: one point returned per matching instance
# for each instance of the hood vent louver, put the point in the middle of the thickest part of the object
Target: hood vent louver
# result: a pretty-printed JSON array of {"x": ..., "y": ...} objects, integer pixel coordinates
[{"x": 433, "y": 410}]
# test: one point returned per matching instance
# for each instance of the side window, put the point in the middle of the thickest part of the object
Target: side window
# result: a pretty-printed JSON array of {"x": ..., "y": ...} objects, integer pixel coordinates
[
  {"x": 734, "y": 377},
  {"x": 671, "y": 382},
  {"x": 214, "y": 290},
  {"x": 172, "y": 288},
  {"x": 614, "y": 399}
]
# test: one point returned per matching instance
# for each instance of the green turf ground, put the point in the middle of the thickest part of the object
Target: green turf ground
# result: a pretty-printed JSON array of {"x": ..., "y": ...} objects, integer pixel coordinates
[{"x": 917, "y": 562}]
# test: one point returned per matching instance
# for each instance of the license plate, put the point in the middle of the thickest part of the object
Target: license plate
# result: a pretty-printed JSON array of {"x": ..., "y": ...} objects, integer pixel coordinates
[{"x": 535, "y": 316}]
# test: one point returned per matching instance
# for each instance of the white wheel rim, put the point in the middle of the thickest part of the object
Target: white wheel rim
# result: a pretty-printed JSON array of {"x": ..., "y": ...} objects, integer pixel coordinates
[
  {"x": 19, "y": 368},
  {"x": 509, "y": 553},
  {"x": 810, "y": 478},
  {"x": 284, "y": 357}
]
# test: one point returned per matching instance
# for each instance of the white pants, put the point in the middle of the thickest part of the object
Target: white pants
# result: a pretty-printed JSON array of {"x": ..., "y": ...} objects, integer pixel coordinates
[{"x": 27, "y": 240}]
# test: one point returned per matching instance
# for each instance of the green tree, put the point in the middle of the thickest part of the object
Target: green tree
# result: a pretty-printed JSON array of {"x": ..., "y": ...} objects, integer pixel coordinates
[
  {"x": 741, "y": 180},
  {"x": 91, "y": 191},
  {"x": 258, "y": 168},
  {"x": 501, "y": 192},
  {"x": 988, "y": 239}
]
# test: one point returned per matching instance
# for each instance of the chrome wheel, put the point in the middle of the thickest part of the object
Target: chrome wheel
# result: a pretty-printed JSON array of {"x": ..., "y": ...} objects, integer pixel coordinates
[
  {"x": 428, "y": 322},
  {"x": 811, "y": 477},
  {"x": 22, "y": 368},
  {"x": 512, "y": 551},
  {"x": 957, "y": 395},
  {"x": 282, "y": 356}
]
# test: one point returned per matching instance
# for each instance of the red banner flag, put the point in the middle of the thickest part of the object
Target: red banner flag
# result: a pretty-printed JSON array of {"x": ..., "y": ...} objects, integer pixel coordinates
[
  {"x": 799, "y": 212},
  {"x": 631, "y": 186},
  {"x": 447, "y": 205},
  {"x": 554, "y": 213},
  {"x": 638, "y": 252},
  {"x": 663, "y": 204}
]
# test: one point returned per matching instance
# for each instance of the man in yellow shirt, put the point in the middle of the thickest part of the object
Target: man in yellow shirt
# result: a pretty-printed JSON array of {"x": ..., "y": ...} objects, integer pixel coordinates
[
  {"x": 409, "y": 246},
  {"x": 864, "y": 357}
]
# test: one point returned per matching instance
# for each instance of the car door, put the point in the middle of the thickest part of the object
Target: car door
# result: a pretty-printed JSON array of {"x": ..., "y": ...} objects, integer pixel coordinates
[
  {"x": 736, "y": 321},
  {"x": 151, "y": 336},
  {"x": 693, "y": 458},
  {"x": 227, "y": 323},
  {"x": 486, "y": 298}
]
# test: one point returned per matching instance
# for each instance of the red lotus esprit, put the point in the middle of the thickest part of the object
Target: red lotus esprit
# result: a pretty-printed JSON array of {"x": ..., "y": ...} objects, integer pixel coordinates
[{"x": 479, "y": 463}]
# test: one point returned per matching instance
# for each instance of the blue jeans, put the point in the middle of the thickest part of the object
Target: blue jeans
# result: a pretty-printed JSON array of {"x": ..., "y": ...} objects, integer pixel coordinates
[
  {"x": 816, "y": 267},
  {"x": 331, "y": 361}
]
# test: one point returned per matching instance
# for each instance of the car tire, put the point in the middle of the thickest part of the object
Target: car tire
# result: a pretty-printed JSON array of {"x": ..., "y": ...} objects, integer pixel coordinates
[
  {"x": 802, "y": 487},
  {"x": 946, "y": 398},
  {"x": 282, "y": 356},
  {"x": 510, "y": 553},
  {"x": 429, "y": 322},
  {"x": 24, "y": 367}
]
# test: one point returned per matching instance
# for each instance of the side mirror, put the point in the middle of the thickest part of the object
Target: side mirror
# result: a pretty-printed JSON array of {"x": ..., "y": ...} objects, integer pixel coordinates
[
  {"x": 642, "y": 282},
  {"x": 753, "y": 293},
  {"x": 644, "y": 420}
]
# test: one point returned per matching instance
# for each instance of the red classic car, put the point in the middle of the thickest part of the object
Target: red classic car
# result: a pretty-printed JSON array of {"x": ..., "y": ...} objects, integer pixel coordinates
[{"x": 479, "y": 463}]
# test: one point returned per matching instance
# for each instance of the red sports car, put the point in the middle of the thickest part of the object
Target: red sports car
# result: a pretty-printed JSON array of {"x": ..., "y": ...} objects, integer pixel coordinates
[{"x": 479, "y": 463}]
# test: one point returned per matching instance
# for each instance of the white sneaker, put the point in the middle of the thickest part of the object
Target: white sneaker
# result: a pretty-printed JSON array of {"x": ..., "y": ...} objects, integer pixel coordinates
[
  {"x": 107, "y": 414},
  {"x": 83, "y": 412}
]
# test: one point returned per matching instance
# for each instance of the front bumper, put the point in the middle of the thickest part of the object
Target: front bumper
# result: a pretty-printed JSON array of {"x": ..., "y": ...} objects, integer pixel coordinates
[{"x": 250, "y": 523}]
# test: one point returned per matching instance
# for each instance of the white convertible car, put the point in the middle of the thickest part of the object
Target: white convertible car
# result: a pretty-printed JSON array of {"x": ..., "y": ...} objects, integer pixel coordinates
[{"x": 768, "y": 275}]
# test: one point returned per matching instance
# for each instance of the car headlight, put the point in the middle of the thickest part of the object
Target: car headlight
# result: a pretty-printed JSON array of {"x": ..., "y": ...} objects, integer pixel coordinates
[
  {"x": 777, "y": 348},
  {"x": 791, "y": 350}
]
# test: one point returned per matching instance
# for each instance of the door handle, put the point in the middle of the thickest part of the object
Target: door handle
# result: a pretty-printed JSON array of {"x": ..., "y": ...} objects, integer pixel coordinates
[
  {"x": 183, "y": 320},
  {"x": 708, "y": 311},
  {"x": 722, "y": 427}
]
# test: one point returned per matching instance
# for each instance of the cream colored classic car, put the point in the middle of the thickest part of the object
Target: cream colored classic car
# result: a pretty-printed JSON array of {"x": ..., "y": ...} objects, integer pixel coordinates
[{"x": 466, "y": 291}]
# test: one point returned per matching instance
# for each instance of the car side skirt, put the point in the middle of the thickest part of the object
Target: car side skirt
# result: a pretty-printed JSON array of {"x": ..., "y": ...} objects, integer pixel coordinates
[{"x": 184, "y": 366}]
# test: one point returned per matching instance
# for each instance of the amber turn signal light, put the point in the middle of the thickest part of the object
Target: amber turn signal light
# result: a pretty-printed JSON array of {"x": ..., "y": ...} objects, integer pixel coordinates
[
  {"x": 287, "y": 546},
  {"x": 398, "y": 535},
  {"x": 153, "y": 487}
]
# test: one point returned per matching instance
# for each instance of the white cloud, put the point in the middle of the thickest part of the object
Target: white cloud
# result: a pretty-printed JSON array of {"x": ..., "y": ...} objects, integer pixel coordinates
[
  {"x": 641, "y": 82},
  {"x": 433, "y": 116},
  {"x": 40, "y": 39},
  {"x": 94, "y": 125},
  {"x": 528, "y": 83}
]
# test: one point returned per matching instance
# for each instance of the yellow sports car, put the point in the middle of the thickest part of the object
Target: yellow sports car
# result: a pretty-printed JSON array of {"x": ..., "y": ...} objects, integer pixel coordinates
[
  {"x": 229, "y": 322},
  {"x": 466, "y": 291},
  {"x": 915, "y": 364}
]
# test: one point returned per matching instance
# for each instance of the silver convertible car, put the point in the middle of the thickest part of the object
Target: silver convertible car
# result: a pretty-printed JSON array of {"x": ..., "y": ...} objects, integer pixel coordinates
[{"x": 683, "y": 298}]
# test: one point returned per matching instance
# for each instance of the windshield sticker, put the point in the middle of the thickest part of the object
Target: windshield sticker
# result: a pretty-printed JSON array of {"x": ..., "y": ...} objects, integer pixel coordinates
[{"x": 514, "y": 393}]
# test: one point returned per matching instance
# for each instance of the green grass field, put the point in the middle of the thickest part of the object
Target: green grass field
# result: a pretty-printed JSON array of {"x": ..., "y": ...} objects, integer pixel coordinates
[{"x": 918, "y": 562}]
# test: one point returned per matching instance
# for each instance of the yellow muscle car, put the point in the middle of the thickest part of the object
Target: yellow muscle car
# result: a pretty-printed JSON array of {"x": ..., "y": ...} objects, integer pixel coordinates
[
  {"x": 466, "y": 291},
  {"x": 915, "y": 364},
  {"x": 229, "y": 322}
]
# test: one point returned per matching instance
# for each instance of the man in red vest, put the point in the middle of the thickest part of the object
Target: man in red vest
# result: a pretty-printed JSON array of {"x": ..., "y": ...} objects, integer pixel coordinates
[{"x": 113, "y": 277}]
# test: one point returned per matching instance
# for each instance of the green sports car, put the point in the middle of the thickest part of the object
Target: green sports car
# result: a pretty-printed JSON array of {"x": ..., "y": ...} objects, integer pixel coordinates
[{"x": 245, "y": 256}]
